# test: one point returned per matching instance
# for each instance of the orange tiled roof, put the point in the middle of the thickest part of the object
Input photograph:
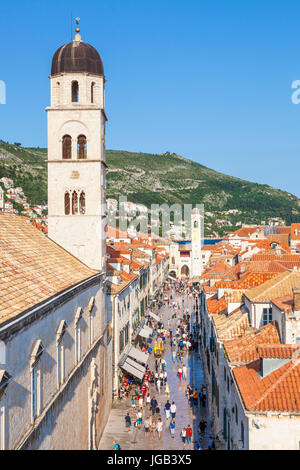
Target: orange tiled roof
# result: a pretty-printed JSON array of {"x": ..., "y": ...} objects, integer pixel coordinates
[
  {"x": 246, "y": 231},
  {"x": 209, "y": 289},
  {"x": 282, "y": 229},
  {"x": 282, "y": 238},
  {"x": 32, "y": 267},
  {"x": 278, "y": 351},
  {"x": 285, "y": 304},
  {"x": 273, "y": 256},
  {"x": 232, "y": 325},
  {"x": 245, "y": 349},
  {"x": 112, "y": 232},
  {"x": 278, "y": 391},
  {"x": 128, "y": 276},
  {"x": 214, "y": 305},
  {"x": 250, "y": 280},
  {"x": 279, "y": 286}
]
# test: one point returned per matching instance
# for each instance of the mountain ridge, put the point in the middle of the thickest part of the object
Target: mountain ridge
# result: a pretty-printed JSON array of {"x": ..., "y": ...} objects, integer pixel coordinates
[{"x": 147, "y": 179}]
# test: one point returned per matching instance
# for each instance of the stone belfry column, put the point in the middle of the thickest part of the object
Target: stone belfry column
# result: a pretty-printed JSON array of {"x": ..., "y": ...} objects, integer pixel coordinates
[
  {"x": 196, "y": 243},
  {"x": 76, "y": 152}
]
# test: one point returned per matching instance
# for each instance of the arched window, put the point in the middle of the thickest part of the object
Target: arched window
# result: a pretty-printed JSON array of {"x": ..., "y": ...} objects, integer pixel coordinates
[
  {"x": 74, "y": 203},
  {"x": 67, "y": 203},
  {"x": 93, "y": 92},
  {"x": 67, "y": 147},
  {"x": 195, "y": 224},
  {"x": 78, "y": 317},
  {"x": 60, "y": 352},
  {"x": 82, "y": 203},
  {"x": 36, "y": 371},
  {"x": 75, "y": 92},
  {"x": 81, "y": 147}
]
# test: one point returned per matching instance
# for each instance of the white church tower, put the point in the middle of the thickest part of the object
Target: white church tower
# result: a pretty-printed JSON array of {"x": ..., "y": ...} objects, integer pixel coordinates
[
  {"x": 76, "y": 152},
  {"x": 196, "y": 263}
]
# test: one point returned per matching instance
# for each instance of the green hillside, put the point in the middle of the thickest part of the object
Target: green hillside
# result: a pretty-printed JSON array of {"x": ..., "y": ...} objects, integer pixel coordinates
[{"x": 168, "y": 178}]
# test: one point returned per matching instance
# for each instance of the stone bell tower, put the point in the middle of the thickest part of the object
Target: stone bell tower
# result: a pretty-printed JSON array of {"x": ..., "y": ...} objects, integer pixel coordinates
[
  {"x": 76, "y": 152},
  {"x": 196, "y": 263}
]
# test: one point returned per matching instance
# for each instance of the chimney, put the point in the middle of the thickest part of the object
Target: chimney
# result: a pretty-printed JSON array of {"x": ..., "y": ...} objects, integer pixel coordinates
[
  {"x": 296, "y": 295},
  {"x": 220, "y": 293}
]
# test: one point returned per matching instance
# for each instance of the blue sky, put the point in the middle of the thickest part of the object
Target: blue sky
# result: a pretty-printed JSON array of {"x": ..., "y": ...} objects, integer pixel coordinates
[{"x": 210, "y": 80}]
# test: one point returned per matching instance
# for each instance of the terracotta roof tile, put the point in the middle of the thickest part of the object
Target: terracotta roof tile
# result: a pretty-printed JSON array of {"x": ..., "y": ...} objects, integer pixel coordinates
[
  {"x": 279, "y": 286},
  {"x": 279, "y": 391},
  {"x": 245, "y": 349},
  {"x": 216, "y": 306},
  {"x": 278, "y": 351},
  {"x": 32, "y": 267}
]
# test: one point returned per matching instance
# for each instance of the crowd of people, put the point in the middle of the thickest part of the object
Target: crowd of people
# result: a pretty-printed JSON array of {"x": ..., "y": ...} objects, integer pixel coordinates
[{"x": 152, "y": 413}]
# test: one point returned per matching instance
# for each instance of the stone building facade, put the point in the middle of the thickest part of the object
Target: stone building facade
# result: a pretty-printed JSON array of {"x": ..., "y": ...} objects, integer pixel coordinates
[{"x": 55, "y": 337}]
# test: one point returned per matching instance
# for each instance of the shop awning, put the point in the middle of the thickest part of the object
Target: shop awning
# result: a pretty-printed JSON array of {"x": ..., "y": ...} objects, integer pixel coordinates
[
  {"x": 144, "y": 333},
  {"x": 132, "y": 370},
  {"x": 135, "y": 364},
  {"x": 171, "y": 277},
  {"x": 153, "y": 315},
  {"x": 138, "y": 355}
]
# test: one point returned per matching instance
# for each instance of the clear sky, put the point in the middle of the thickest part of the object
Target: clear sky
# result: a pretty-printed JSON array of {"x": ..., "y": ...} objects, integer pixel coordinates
[{"x": 210, "y": 80}]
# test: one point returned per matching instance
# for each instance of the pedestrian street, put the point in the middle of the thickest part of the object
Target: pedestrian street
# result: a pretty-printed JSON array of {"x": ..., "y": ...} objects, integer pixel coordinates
[{"x": 186, "y": 415}]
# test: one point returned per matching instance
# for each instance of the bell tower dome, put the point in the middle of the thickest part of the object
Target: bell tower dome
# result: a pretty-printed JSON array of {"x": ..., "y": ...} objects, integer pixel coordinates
[{"x": 76, "y": 152}]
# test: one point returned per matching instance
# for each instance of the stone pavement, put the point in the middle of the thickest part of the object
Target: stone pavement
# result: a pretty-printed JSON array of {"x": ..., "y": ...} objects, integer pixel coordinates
[{"x": 135, "y": 439}]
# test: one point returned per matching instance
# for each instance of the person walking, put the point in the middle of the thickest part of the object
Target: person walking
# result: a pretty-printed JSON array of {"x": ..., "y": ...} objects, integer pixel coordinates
[
  {"x": 165, "y": 377},
  {"x": 183, "y": 436},
  {"x": 154, "y": 405},
  {"x": 147, "y": 424},
  {"x": 116, "y": 446},
  {"x": 158, "y": 385},
  {"x": 148, "y": 401},
  {"x": 167, "y": 390},
  {"x": 172, "y": 427},
  {"x": 141, "y": 401},
  {"x": 195, "y": 397},
  {"x": 180, "y": 373},
  {"x": 159, "y": 426},
  {"x": 127, "y": 422},
  {"x": 153, "y": 429},
  {"x": 133, "y": 402},
  {"x": 202, "y": 425},
  {"x": 191, "y": 397},
  {"x": 139, "y": 418},
  {"x": 173, "y": 410},
  {"x": 189, "y": 433},
  {"x": 174, "y": 356},
  {"x": 211, "y": 443},
  {"x": 168, "y": 409},
  {"x": 184, "y": 372}
]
